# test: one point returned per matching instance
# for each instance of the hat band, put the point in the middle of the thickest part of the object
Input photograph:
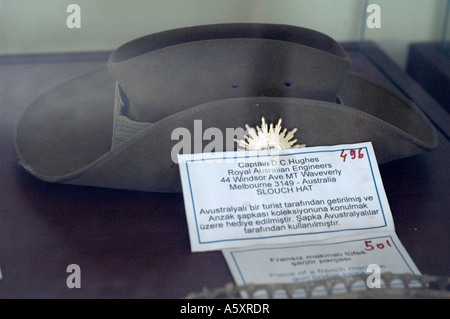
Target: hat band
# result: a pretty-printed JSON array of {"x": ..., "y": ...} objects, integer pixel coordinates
[{"x": 123, "y": 127}]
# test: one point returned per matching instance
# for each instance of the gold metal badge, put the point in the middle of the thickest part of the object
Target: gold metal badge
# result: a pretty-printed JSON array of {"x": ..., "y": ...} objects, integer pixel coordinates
[{"x": 268, "y": 137}]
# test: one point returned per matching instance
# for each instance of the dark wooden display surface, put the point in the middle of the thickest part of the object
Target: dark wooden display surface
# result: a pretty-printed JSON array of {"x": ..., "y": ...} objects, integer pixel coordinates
[{"x": 136, "y": 245}]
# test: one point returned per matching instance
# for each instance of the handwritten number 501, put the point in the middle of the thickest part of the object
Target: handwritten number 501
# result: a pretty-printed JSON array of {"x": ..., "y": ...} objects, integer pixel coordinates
[
  {"x": 353, "y": 154},
  {"x": 369, "y": 246}
]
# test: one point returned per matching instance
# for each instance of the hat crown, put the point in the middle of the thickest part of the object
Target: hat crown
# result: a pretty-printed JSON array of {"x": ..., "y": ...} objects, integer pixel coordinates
[{"x": 167, "y": 72}]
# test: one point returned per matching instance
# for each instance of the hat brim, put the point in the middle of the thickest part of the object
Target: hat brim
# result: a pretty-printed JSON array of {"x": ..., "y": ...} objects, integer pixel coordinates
[{"x": 65, "y": 135}]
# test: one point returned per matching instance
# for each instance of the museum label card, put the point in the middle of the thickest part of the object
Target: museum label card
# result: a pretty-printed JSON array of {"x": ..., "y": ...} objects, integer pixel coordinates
[
  {"x": 240, "y": 199},
  {"x": 320, "y": 260}
]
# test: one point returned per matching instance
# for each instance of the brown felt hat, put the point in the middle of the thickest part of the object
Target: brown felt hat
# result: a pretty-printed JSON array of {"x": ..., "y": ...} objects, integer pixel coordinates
[{"x": 113, "y": 127}]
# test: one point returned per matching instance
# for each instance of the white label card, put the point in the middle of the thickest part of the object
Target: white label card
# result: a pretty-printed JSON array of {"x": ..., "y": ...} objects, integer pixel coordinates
[
  {"x": 325, "y": 259},
  {"x": 239, "y": 199}
]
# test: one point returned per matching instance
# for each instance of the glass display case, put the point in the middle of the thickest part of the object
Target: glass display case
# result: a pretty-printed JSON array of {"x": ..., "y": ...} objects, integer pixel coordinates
[
  {"x": 429, "y": 63},
  {"x": 128, "y": 242},
  {"x": 446, "y": 29}
]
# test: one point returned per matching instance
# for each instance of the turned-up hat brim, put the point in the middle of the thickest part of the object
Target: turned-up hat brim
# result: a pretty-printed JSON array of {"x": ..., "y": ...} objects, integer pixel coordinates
[{"x": 67, "y": 135}]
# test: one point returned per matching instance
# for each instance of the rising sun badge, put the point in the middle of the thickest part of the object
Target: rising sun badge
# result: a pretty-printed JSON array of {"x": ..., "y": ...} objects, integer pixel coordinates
[{"x": 268, "y": 137}]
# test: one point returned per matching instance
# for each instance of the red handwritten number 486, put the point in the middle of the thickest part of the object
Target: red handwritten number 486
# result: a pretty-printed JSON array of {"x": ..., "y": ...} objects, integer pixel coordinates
[{"x": 353, "y": 154}]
